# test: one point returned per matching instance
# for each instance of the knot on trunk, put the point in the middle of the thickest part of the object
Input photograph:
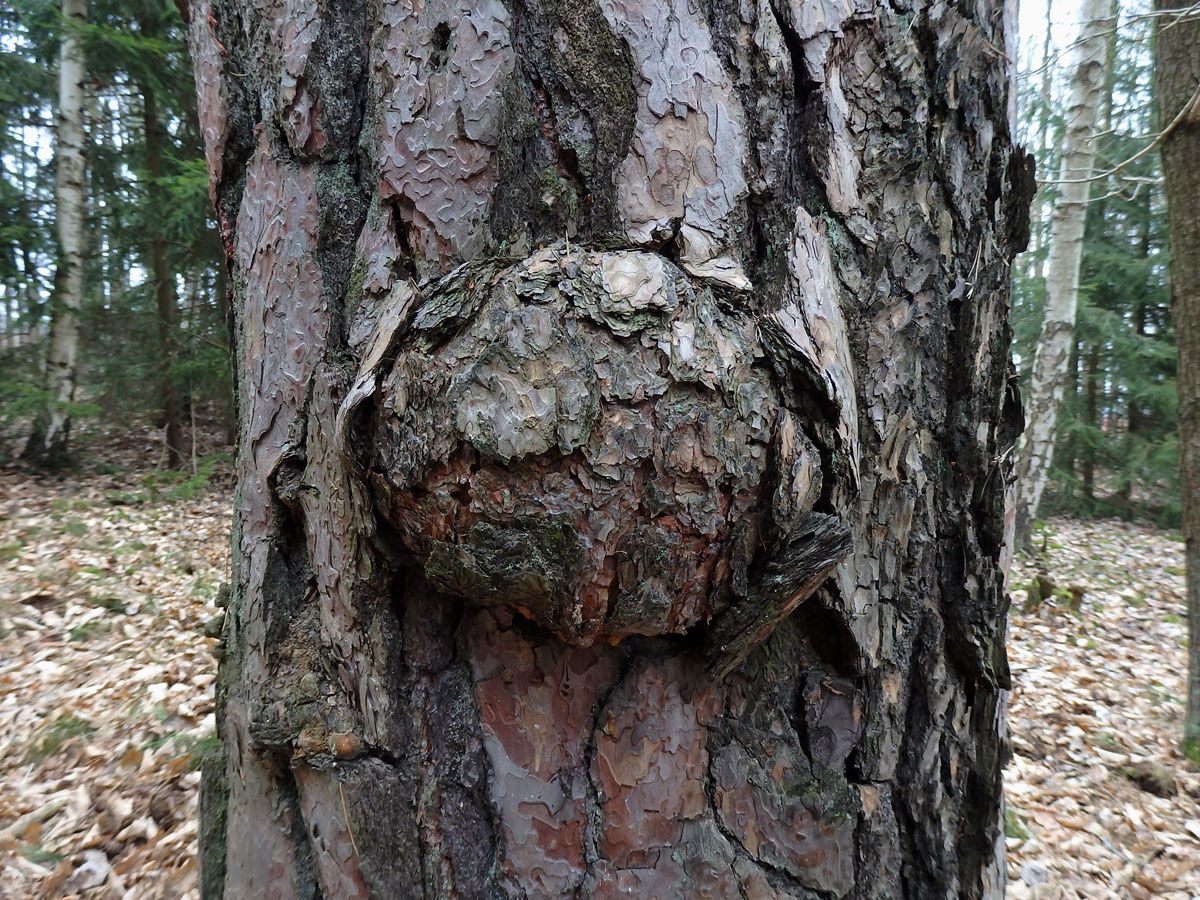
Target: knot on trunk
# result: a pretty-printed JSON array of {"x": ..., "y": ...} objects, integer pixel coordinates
[{"x": 596, "y": 441}]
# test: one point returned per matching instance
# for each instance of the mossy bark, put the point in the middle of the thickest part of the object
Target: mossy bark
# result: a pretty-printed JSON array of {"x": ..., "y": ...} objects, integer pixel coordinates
[{"x": 624, "y": 402}]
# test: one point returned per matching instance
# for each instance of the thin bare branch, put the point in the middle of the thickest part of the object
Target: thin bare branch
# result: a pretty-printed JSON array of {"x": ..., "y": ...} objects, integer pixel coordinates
[
  {"x": 1182, "y": 14},
  {"x": 1183, "y": 115}
]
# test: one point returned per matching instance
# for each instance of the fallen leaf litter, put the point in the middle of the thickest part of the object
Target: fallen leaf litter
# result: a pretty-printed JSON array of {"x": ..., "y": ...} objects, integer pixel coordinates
[{"x": 106, "y": 705}]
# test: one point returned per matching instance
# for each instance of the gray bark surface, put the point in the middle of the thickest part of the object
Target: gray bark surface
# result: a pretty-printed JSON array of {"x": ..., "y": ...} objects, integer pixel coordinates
[{"x": 624, "y": 399}]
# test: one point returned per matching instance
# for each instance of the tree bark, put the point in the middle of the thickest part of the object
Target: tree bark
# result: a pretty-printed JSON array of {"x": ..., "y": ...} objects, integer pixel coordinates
[
  {"x": 1049, "y": 376},
  {"x": 1091, "y": 391},
  {"x": 1177, "y": 76},
  {"x": 625, "y": 396},
  {"x": 48, "y": 445}
]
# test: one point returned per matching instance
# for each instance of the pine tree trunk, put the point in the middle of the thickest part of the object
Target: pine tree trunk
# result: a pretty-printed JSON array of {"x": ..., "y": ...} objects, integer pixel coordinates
[
  {"x": 164, "y": 280},
  {"x": 1138, "y": 419},
  {"x": 1177, "y": 66},
  {"x": 48, "y": 444},
  {"x": 1049, "y": 376},
  {"x": 625, "y": 397}
]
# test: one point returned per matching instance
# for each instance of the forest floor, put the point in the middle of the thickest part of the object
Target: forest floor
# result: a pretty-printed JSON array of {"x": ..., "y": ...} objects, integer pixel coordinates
[
  {"x": 106, "y": 679},
  {"x": 1100, "y": 803},
  {"x": 107, "y": 578}
]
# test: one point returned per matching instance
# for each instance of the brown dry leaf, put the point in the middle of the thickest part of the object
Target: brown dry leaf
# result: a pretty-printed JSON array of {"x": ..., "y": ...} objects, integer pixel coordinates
[
  {"x": 1097, "y": 695},
  {"x": 106, "y": 681}
]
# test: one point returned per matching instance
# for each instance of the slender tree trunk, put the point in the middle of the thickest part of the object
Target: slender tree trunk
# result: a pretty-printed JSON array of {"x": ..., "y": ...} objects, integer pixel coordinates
[
  {"x": 1062, "y": 267},
  {"x": 1178, "y": 83},
  {"x": 1037, "y": 213},
  {"x": 1091, "y": 372},
  {"x": 49, "y": 441},
  {"x": 32, "y": 279},
  {"x": 1068, "y": 456},
  {"x": 105, "y": 130},
  {"x": 1137, "y": 414},
  {"x": 1134, "y": 410},
  {"x": 164, "y": 283},
  {"x": 578, "y": 347},
  {"x": 11, "y": 313}
]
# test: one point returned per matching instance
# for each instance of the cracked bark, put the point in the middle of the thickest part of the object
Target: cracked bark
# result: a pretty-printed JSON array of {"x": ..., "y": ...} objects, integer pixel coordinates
[{"x": 621, "y": 488}]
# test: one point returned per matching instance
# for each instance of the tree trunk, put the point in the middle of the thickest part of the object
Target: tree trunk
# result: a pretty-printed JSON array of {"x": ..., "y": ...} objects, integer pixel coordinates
[
  {"x": 1062, "y": 267},
  {"x": 1091, "y": 374},
  {"x": 164, "y": 279},
  {"x": 48, "y": 444},
  {"x": 621, "y": 483},
  {"x": 1177, "y": 73},
  {"x": 1138, "y": 418},
  {"x": 1037, "y": 230}
]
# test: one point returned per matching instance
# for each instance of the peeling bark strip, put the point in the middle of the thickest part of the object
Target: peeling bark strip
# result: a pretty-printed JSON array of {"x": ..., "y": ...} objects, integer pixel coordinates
[{"x": 620, "y": 510}]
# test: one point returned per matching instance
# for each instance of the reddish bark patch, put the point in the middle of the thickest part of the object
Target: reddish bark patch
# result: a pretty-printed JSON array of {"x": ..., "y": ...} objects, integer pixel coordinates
[
  {"x": 536, "y": 706},
  {"x": 650, "y": 762}
]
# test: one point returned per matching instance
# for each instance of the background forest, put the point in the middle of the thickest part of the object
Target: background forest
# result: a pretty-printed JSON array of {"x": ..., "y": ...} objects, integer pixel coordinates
[
  {"x": 154, "y": 339},
  {"x": 1116, "y": 452},
  {"x": 153, "y": 315}
]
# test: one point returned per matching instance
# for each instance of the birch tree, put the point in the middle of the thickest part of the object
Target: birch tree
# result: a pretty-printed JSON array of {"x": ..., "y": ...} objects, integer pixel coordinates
[
  {"x": 48, "y": 443},
  {"x": 1050, "y": 364},
  {"x": 625, "y": 400}
]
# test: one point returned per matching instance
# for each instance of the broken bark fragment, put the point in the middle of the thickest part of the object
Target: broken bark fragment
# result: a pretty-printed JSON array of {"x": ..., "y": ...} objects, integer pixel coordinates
[{"x": 790, "y": 578}]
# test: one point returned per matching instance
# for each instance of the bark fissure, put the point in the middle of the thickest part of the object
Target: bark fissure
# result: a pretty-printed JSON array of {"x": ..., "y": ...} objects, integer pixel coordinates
[{"x": 594, "y": 820}]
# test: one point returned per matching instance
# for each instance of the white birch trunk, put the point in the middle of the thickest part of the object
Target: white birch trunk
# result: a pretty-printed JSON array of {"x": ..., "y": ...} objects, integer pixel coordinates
[
  {"x": 1062, "y": 266},
  {"x": 64, "y": 329},
  {"x": 1038, "y": 209}
]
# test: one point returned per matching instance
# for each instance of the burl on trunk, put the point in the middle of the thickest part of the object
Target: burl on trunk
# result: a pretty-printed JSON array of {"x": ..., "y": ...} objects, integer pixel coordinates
[{"x": 624, "y": 409}]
